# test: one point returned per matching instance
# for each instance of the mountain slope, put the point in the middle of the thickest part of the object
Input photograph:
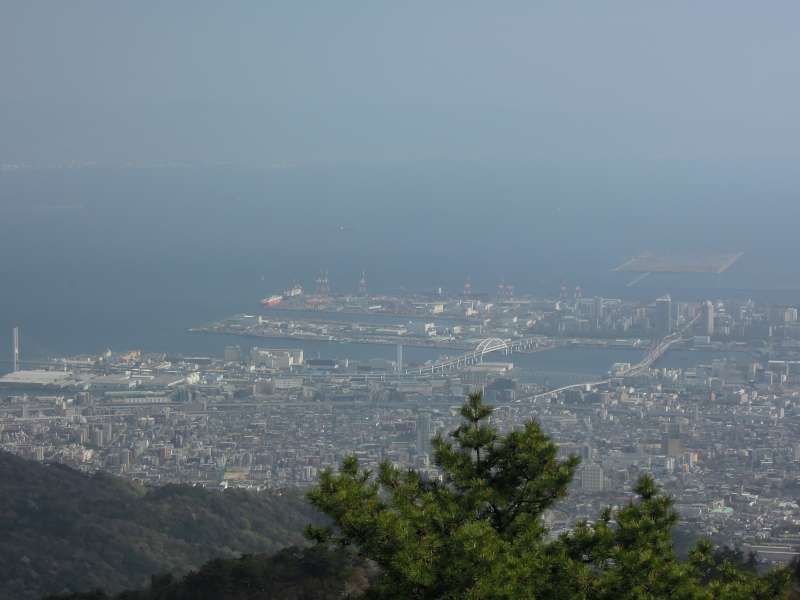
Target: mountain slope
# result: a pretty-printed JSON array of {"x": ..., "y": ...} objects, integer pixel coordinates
[
  {"x": 291, "y": 574},
  {"x": 67, "y": 531}
]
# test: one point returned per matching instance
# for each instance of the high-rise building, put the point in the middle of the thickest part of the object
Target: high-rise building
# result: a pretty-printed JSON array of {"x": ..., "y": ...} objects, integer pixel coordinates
[
  {"x": 468, "y": 287},
  {"x": 398, "y": 365},
  {"x": 505, "y": 291},
  {"x": 707, "y": 318},
  {"x": 276, "y": 358},
  {"x": 671, "y": 444},
  {"x": 233, "y": 354},
  {"x": 598, "y": 310},
  {"x": 592, "y": 478},
  {"x": 424, "y": 433},
  {"x": 663, "y": 320},
  {"x": 500, "y": 391}
]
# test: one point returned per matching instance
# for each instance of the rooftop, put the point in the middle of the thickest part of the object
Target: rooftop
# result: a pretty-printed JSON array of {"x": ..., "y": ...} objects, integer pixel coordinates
[{"x": 39, "y": 377}]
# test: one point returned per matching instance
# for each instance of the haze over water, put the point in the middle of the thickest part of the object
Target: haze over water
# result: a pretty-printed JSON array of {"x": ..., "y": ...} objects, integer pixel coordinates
[
  {"x": 536, "y": 143},
  {"x": 126, "y": 257}
]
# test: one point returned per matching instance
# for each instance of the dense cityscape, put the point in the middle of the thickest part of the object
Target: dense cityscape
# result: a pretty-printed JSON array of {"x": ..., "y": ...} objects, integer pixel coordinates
[
  {"x": 399, "y": 300},
  {"x": 720, "y": 432}
]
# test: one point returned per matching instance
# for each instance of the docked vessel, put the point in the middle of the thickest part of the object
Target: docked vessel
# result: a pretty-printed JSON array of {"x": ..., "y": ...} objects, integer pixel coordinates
[{"x": 272, "y": 300}]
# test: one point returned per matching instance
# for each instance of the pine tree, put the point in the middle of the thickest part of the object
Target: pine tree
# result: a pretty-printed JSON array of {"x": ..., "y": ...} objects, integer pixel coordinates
[{"x": 479, "y": 533}]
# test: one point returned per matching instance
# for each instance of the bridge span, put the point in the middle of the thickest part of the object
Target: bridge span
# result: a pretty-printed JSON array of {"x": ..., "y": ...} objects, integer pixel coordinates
[
  {"x": 652, "y": 356},
  {"x": 487, "y": 346},
  {"x": 508, "y": 347}
]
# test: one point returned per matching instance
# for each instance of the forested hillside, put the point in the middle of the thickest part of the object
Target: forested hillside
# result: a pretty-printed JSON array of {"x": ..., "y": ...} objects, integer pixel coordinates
[
  {"x": 60, "y": 526},
  {"x": 291, "y": 574}
]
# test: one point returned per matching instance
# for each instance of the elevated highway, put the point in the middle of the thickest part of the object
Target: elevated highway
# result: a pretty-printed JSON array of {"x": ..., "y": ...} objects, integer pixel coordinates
[{"x": 643, "y": 365}]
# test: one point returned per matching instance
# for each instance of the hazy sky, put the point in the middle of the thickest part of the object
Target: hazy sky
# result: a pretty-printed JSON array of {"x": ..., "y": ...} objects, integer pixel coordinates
[{"x": 299, "y": 81}]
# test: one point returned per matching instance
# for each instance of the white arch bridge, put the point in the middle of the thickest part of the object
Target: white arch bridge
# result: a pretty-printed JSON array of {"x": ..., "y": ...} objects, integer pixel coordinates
[
  {"x": 484, "y": 347},
  {"x": 508, "y": 347}
]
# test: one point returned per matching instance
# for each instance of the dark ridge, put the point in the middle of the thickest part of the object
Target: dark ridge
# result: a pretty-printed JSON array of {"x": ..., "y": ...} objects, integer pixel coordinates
[{"x": 66, "y": 531}]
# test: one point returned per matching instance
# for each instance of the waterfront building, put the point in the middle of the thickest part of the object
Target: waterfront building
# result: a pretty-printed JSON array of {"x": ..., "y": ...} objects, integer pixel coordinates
[
  {"x": 233, "y": 354},
  {"x": 663, "y": 317},
  {"x": 707, "y": 318}
]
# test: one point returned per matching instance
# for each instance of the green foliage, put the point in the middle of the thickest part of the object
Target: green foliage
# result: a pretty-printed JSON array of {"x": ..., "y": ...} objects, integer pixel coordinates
[
  {"x": 479, "y": 532},
  {"x": 67, "y": 531},
  {"x": 291, "y": 574}
]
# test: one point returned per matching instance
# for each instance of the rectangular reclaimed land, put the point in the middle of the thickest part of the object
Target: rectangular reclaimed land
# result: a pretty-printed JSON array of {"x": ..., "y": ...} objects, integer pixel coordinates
[{"x": 648, "y": 263}]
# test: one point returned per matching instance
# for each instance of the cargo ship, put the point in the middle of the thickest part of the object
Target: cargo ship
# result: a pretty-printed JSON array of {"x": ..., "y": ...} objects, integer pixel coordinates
[{"x": 272, "y": 300}]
